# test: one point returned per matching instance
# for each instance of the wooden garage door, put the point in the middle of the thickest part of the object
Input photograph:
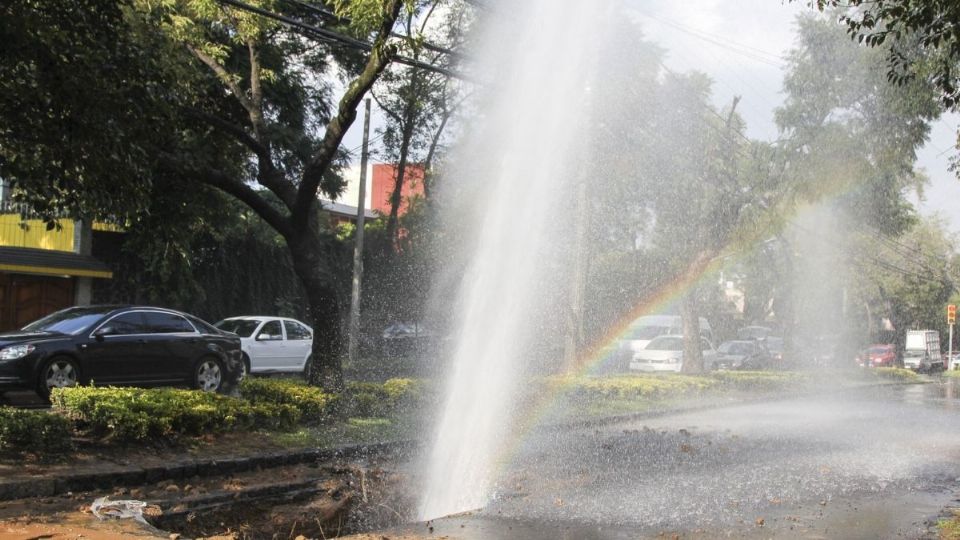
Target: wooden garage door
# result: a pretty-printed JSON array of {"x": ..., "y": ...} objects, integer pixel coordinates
[{"x": 24, "y": 299}]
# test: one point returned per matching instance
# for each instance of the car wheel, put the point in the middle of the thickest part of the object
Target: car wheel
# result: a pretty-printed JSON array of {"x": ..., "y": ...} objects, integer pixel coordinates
[
  {"x": 59, "y": 372},
  {"x": 208, "y": 376}
]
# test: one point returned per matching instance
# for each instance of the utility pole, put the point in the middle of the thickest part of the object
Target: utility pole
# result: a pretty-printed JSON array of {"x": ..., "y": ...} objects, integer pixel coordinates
[{"x": 358, "y": 240}]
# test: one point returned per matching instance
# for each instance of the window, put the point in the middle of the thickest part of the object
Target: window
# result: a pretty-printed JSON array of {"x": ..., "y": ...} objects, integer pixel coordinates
[
  {"x": 270, "y": 332},
  {"x": 296, "y": 330},
  {"x": 241, "y": 327},
  {"x": 203, "y": 327},
  {"x": 67, "y": 321},
  {"x": 125, "y": 324},
  {"x": 666, "y": 344},
  {"x": 705, "y": 345},
  {"x": 166, "y": 323},
  {"x": 646, "y": 332}
]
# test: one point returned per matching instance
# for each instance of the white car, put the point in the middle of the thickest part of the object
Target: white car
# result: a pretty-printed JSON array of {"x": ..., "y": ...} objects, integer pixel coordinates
[
  {"x": 665, "y": 353},
  {"x": 271, "y": 344}
]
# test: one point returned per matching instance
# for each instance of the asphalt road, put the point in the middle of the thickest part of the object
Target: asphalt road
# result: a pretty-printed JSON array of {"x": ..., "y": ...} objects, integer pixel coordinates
[{"x": 874, "y": 463}]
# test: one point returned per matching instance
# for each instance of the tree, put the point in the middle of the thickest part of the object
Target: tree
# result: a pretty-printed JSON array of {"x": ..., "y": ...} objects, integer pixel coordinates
[
  {"x": 850, "y": 138},
  {"x": 419, "y": 104},
  {"x": 81, "y": 104},
  {"x": 922, "y": 38}
]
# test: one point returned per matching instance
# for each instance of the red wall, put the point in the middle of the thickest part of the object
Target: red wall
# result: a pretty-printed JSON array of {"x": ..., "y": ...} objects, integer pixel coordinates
[{"x": 384, "y": 179}]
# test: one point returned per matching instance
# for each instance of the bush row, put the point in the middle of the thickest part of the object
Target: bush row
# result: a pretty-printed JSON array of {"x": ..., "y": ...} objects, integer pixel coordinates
[
  {"x": 655, "y": 386},
  {"x": 33, "y": 431},
  {"x": 313, "y": 403},
  {"x": 136, "y": 414}
]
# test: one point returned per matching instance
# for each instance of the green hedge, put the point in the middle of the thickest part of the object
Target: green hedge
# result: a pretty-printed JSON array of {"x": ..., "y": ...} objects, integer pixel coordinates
[
  {"x": 314, "y": 405},
  {"x": 644, "y": 385},
  {"x": 135, "y": 414},
  {"x": 33, "y": 431},
  {"x": 378, "y": 400}
]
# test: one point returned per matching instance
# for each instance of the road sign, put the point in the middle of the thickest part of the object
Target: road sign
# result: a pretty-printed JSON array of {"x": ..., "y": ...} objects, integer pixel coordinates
[{"x": 951, "y": 314}]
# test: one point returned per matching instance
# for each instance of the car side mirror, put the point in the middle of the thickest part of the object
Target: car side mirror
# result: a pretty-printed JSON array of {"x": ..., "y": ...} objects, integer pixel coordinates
[{"x": 102, "y": 332}]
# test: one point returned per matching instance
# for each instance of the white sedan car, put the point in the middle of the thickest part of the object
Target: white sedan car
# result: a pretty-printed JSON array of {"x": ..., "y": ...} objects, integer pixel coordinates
[
  {"x": 665, "y": 353},
  {"x": 271, "y": 344}
]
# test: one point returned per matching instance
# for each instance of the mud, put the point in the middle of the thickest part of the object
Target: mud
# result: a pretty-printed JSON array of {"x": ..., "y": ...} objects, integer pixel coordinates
[{"x": 317, "y": 500}]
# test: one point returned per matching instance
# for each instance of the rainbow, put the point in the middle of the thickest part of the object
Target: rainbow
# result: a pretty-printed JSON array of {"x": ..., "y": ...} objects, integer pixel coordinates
[{"x": 696, "y": 272}]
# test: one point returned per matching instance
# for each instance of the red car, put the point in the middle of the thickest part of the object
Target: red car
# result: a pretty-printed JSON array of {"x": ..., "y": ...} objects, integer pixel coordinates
[{"x": 878, "y": 356}]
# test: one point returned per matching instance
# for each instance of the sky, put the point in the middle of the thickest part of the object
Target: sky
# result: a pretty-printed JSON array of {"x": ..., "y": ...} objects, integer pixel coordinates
[{"x": 741, "y": 49}]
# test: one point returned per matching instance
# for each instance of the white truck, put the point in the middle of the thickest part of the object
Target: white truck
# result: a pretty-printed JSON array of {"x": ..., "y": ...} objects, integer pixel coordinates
[{"x": 921, "y": 351}]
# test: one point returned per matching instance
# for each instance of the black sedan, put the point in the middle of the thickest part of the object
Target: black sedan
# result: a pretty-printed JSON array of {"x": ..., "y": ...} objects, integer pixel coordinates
[
  {"x": 742, "y": 354},
  {"x": 119, "y": 345}
]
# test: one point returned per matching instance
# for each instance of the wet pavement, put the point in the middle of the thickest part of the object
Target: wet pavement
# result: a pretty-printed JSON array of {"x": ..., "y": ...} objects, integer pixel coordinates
[{"x": 869, "y": 463}]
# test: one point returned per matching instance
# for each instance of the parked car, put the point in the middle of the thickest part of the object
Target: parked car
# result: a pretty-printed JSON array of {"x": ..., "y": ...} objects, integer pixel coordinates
[
  {"x": 774, "y": 346},
  {"x": 881, "y": 355},
  {"x": 665, "y": 353},
  {"x": 271, "y": 344},
  {"x": 119, "y": 345},
  {"x": 742, "y": 354},
  {"x": 645, "y": 329}
]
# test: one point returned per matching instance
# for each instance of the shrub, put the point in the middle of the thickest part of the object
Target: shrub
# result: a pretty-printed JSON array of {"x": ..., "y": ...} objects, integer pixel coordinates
[
  {"x": 631, "y": 386},
  {"x": 899, "y": 374},
  {"x": 364, "y": 399},
  {"x": 313, "y": 404},
  {"x": 136, "y": 414},
  {"x": 34, "y": 431}
]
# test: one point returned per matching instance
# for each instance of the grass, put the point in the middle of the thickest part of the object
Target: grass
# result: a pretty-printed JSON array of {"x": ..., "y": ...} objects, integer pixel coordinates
[
  {"x": 595, "y": 397},
  {"x": 952, "y": 373},
  {"x": 350, "y": 431},
  {"x": 895, "y": 373}
]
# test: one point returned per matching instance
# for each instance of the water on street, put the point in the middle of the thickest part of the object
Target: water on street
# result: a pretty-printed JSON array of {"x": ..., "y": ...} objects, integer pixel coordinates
[{"x": 879, "y": 462}]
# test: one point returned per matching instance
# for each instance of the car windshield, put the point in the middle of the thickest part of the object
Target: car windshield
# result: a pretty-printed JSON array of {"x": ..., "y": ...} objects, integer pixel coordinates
[
  {"x": 241, "y": 327},
  {"x": 736, "y": 347},
  {"x": 68, "y": 321},
  {"x": 645, "y": 332},
  {"x": 879, "y": 350},
  {"x": 666, "y": 344}
]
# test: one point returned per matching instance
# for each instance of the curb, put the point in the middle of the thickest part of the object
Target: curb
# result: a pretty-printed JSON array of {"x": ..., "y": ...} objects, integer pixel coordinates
[{"x": 20, "y": 488}]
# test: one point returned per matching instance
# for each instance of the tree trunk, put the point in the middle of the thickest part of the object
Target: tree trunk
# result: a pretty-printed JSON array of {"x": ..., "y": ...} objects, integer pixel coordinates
[
  {"x": 692, "y": 353},
  {"x": 310, "y": 264},
  {"x": 573, "y": 338},
  {"x": 397, "y": 196}
]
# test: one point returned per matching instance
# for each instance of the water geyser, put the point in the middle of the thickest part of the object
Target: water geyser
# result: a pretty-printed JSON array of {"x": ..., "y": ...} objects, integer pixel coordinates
[{"x": 511, "y": 175}]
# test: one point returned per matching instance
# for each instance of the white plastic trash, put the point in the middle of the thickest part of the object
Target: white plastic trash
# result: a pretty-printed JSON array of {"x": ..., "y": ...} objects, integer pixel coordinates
[{"x": 104, "y": 508}]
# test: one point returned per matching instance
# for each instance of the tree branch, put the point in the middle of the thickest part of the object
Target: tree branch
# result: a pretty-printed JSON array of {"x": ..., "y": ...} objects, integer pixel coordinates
[
  {"x": 231, "y": 186},
  {"x": 380, "y": 56},
  {"x": 267, "y": 174},
  {"x": 223, "y": 75}
]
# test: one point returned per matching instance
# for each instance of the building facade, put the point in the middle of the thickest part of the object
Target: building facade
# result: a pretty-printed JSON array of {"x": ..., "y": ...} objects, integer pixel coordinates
[{"x": 42, "y": 269}]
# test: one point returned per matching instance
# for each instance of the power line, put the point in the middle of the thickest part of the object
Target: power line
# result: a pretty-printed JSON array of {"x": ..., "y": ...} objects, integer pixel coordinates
[
  {"x": 747, "y": 51},
  {"x": 330, "y": 36},
  {"x": 326, "y": 13}
]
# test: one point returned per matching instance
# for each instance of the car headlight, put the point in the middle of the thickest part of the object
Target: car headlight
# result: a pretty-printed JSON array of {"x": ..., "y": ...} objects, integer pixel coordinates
[{"x": 16, "y": 351}]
